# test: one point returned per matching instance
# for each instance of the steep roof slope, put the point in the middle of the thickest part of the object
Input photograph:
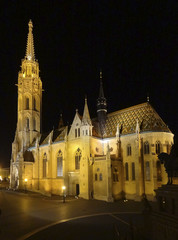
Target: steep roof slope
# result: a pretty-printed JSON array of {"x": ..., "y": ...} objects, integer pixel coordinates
[{"x": 148, "y": 119}]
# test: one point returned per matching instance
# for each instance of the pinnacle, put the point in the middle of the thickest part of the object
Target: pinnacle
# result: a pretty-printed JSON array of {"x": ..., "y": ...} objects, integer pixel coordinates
[
  {"x": 30, "y": 52},
  {"x": 86, "y": 116}
]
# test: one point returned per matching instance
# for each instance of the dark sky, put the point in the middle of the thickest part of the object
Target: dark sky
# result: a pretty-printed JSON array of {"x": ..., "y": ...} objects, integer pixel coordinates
[{"x": 134, "y": 42}]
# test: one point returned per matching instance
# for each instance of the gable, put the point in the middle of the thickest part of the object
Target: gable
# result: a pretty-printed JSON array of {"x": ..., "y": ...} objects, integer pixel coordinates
[{"x": 75, "y": 125}]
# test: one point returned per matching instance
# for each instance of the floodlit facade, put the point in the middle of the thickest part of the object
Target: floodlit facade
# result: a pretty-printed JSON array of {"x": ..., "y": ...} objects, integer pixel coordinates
[{"x": 109, "y": 157}]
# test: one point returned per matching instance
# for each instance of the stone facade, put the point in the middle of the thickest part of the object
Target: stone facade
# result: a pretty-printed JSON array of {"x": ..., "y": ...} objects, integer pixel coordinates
[{"x": 109, "y": 157}]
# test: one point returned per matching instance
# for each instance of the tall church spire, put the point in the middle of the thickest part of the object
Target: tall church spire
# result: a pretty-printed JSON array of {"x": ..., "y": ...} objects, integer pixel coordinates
[
  {"x": 30, "y": 52},
  {"x": 101, "y": 103}
]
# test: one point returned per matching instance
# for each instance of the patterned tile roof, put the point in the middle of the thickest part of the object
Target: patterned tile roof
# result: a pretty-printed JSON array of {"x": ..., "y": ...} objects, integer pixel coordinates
[{"x": 147, "y": 117}]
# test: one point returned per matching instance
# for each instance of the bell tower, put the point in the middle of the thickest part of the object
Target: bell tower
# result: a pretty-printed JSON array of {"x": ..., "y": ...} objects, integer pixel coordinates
[{"x": 29, "y": 96}]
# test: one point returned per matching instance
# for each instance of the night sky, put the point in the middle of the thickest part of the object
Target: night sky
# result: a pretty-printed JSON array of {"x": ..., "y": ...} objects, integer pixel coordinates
[{"x": 133, "y": 42}]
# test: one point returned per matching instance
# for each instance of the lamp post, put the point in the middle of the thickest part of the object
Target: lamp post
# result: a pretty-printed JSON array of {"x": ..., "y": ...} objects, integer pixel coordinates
[
  {"x": 26, "y": 180},
  {"x": 64, "y": 196}
]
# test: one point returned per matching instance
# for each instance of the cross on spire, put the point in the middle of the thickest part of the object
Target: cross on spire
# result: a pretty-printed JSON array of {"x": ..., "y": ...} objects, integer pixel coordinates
[{"x": 30, "y": 52}]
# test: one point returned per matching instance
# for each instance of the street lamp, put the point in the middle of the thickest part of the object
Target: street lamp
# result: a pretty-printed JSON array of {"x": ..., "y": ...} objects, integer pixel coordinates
[
  {"x": 26, "y": 180},
  {"x": 64, "y": 196}
]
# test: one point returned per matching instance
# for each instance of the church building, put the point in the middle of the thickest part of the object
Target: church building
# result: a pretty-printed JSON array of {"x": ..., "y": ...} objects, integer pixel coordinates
[{"x": 109, "y": 157}]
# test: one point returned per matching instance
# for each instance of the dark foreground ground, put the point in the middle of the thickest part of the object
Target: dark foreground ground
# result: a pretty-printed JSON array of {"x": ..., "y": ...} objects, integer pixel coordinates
[{"x": 32, "y": 216}]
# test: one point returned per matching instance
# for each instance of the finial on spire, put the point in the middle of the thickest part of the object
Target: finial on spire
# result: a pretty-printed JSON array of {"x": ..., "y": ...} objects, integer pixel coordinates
[
  {"x": 30, "y": 53},
  {"x": 101, "y": 92},
  {"x": 30, "y": 24},
  {"x": 148, "y": 98},
  {"x": 101, "y": 74}
]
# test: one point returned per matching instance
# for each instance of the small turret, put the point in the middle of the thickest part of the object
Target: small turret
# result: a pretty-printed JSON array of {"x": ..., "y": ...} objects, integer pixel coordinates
[
  {"x": 86, "y": 116},
  {"x": 86, "y": 124},
  {"x": 61, "y": 123}
]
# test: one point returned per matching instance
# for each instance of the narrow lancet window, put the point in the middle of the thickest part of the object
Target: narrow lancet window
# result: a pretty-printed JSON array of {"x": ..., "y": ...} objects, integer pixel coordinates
[
  {"x": 27, "y": 103},
  {"x": 45, "y": 166},
  {"x": 78, "y": 156},
  {"x": 59, "y": 164}
]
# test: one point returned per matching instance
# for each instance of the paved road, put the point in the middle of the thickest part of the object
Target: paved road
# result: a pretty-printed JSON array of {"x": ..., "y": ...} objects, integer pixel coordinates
[{"x": 25, "y": 214}]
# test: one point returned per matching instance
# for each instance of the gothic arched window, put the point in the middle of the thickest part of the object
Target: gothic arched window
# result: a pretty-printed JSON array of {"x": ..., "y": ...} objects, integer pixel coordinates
[
  {"x": 78, "y": 132},
  {"x": 158, "y": 147},
  {"x": 78, "y": 156},
  {"x": 126, "y": 171},
  {"x": 34, "y": 103},
  {"x": 146, "y": 148},
  {"x": 27, "y": 103},
  {"x": 168, "y": 147},
  {"x": 34, "y": 124},
  {"x": 100, "y": 177},
  {"x": 44, "y": 165},
  {"x": 133, "y": 171},
  {"x": 96, "y": 176},
  {"x": 129, "y": 150},
  {"x": 59, "y": 164}
]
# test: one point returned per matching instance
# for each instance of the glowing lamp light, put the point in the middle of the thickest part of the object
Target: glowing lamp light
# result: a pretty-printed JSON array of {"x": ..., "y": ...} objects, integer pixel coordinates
[
  {"x": 26, "y": 180},
  {"x": 0, "y": 178},
  {"x": 63, "y": 188}
]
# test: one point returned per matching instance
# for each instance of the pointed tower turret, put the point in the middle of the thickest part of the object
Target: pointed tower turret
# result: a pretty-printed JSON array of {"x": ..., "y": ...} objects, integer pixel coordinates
[
  {"x": 61, "y": 123},
  {"x": 30, "y": 53},
  {"x": 101, "y": 103},
  {"x": 86, "y": 116},
  {"x": 86, "y": 125}
]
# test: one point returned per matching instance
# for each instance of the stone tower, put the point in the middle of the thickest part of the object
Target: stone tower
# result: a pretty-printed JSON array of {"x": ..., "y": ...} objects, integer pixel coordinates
[
  {"x": 28, "y": 113},
  {"x": 29, "y": 96}
]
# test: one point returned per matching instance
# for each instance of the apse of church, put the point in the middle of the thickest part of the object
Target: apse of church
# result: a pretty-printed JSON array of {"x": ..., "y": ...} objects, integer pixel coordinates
[{"x": 109, "y": 157}]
